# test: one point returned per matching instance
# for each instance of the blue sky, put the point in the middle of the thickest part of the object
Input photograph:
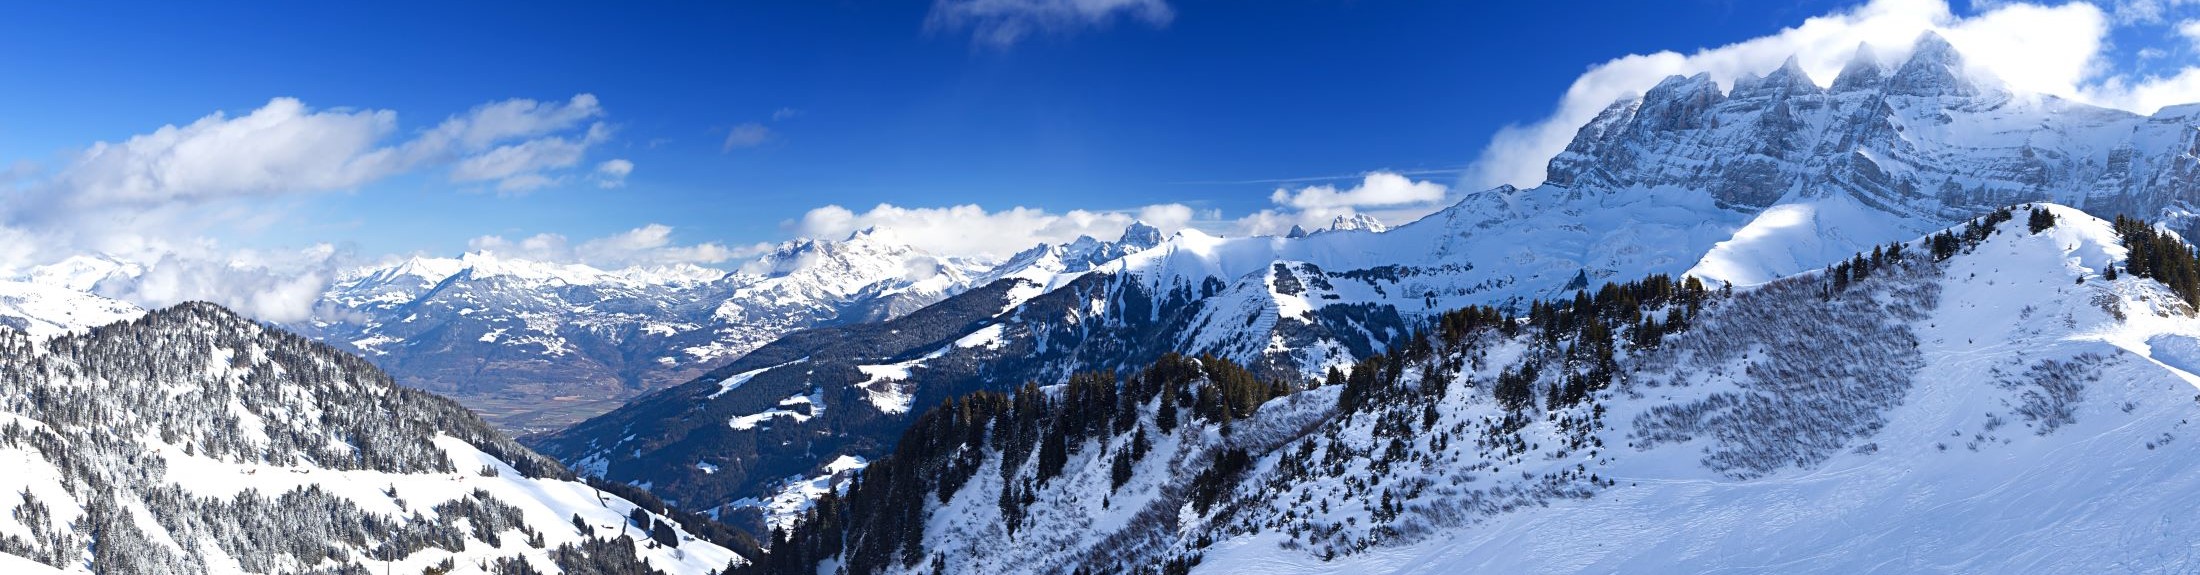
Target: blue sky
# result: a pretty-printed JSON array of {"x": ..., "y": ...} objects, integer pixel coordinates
[
  {"x": 885, "y": 110},
  {"x": 739, "y": 118}
]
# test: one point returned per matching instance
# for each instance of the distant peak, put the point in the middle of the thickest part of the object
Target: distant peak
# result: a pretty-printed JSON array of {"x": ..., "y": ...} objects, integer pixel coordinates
[
  {"x": 1678, "y": 103},
  {"x": 1931, "y": 46},
  {"x": 1935, "y": 68},
  {"x": 1790, "y": 70},
  {"x": 1296, "y": 232},
  {"x": 1678, "y": 84},
  {"x": 1786, "y": 80},
  {"x": 1863, "y": 72},
  {"x": 875, "y": 234},
  {"x": 1361, "y": 222},
  {"x": 1140, "y": 234}
]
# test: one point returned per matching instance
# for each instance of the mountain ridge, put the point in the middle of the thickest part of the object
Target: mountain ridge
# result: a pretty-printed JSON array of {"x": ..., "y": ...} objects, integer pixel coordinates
[
  {"x": 1824, "y": 400},
  {"x": 1643, "y": 191},
  {"x": 191, "y": 439}
]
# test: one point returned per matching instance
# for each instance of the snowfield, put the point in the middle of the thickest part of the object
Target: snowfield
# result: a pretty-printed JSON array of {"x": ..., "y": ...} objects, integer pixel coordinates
[
  {"x": 2008, "y": 410},
  {"x": 195, "y": 440},
  {"x": 1957, "y": 479}
]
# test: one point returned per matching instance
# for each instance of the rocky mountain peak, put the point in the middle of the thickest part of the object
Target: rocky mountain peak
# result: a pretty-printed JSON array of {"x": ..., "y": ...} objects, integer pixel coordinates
[
  {"x": 1357, "y": 222},
  {"x": 1787, "y": 80},
  {"x": 1678, "y": 103},
  {"x": 1863, "y": 72},
  {"x": 1140, "y": 235},
  {"x": 1935, "y": 68}
]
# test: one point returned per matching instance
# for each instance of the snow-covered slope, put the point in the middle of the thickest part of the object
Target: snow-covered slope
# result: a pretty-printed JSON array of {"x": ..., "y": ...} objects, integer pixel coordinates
[
  {"x": 537, "y": 345},
  {"x": 192, "y": 440},
  {"x": 42, "y": 310},
  {"x": 2008, "y": 409},
  {"x": 1771, "y": 177}
]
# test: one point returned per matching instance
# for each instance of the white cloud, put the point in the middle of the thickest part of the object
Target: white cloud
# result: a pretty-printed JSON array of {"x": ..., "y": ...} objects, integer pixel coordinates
[
  {"x": 520, "y": 144},
  {"x": 970, "y": 230},
  {"x": 515, "y": 118},
  {"x": 785, "y": 113},
  {"x": 648, "y": 245},
  {"x": 2040, "y": 49},
  {"x": 1390, "y": 197},
  {"x": 2190, "y": 31},
  {"x": 612, "y": 173},
  {"x": 281, "y": 147},
  {"x": 1375, "y": 189},
  {"x": 160, "y": 198},
  {"x": 2144, "y": 11},
  {"x": 747, "y": 135},
  {"x": 526, "y": 165},
  {"x": 1002, "y": 23},
  {"x": 281, "y": 287}
]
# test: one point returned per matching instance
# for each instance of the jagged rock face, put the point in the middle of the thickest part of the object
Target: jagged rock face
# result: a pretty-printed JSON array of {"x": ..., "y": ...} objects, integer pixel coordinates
[{"x": 1930, "y": 139}]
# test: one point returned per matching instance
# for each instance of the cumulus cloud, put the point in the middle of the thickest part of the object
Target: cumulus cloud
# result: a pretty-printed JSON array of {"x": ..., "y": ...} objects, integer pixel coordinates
[
  {"x": 971, "y": 230},
  {"x": 649, "y": 245},
  {"x": 1390, "y": 197},
  {"x": 1003, "y": 23},
  {"x": 2053, "y": 50},
  {"x": 159, "y": 198},
  {"x": 281, "y": 287},
  {"x": 280, "y": 147},
  {"x": 519, "y": 144},
  {"x": 521, "y": 167},
  {"x": 747, "y": 135},
  {"x": 974, "y": 231},
  {"x": 612, "y": 173},
  {"x": 1375, "y": 189}
]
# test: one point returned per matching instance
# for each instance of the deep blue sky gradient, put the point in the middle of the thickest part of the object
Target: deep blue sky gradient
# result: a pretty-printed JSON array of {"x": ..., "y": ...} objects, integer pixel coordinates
[{"x": 1199, "y": 111}]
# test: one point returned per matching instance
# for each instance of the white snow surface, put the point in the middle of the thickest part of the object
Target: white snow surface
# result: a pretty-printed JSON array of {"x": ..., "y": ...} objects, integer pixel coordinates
[
  {"x": 42, "y": 310},
  {"x": 797, "y": 494},
  {"x": 2042, "y": 422},
  {"x": 546, "y": 505}
]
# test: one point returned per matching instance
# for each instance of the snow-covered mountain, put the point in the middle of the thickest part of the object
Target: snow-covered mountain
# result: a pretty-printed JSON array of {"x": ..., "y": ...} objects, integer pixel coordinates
[
  {"x": 192, "y": 440},
  {"x": 1968, "y": 402},
  {"x": 1773, "y": 177},
  {"x": 537, "y": 346},
  {"x": 41, "y": 310}
]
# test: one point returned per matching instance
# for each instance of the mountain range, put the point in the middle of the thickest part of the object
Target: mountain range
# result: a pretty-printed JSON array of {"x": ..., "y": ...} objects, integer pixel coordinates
[
  {"x": 535, "y": 345},
  {"x": 1658, "y": 184},
  {"x": 1880, "y": 323},
  {"x": 1983, "y": 400}
]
